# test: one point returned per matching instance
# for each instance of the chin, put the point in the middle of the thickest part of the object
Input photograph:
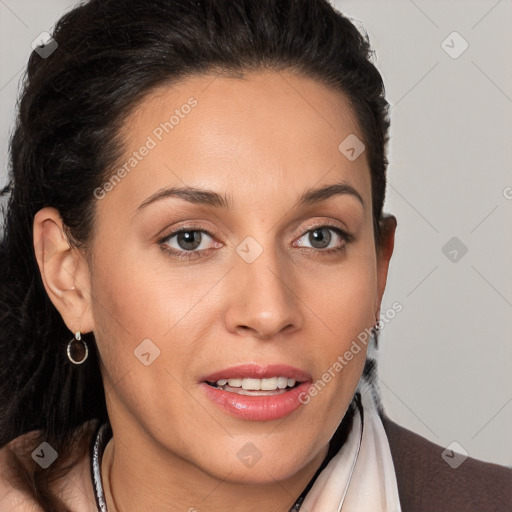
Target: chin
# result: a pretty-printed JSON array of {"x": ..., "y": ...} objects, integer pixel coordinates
[{"x": 251, "y": 466}]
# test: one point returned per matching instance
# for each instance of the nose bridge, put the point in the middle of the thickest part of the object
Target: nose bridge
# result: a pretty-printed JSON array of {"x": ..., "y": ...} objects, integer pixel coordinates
[{"x": 264, "y": 299}]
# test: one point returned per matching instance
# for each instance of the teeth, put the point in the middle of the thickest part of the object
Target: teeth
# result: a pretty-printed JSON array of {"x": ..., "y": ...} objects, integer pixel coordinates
[
  {"x": 254, "y": 384},
  {"x": 270, "y": 384},
  {"x": 282, "y": 382}
]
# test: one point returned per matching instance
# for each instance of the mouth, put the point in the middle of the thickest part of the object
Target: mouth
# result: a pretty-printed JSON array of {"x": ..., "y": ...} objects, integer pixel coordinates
[{"x": 254, "y": 392}]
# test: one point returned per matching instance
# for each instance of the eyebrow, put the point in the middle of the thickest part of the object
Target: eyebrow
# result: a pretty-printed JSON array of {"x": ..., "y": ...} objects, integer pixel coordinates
[{"x": 216, "y": 200}]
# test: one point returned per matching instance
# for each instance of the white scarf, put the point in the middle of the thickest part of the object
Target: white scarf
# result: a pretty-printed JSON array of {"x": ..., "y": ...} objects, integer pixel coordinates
[{"x": 361, "y": 476}]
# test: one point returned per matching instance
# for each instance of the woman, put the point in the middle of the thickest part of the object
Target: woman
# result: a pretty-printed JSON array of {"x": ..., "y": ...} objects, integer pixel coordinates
[{"x": 193, "y": 266}]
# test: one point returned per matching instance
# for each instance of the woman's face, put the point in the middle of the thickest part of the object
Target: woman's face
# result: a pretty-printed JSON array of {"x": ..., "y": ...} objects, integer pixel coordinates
[{"x": 260, "y": 280}]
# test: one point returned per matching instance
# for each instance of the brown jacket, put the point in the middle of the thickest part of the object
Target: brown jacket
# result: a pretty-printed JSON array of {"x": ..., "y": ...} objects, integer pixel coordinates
[{"x": 426, "y": 483}]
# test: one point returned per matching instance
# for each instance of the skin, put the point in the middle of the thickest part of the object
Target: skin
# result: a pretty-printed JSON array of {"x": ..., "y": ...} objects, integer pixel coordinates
[{"x": 263, "y": 140}]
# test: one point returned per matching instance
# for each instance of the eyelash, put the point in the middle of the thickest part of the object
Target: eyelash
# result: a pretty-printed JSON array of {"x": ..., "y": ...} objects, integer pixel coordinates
[{"x": 189, "y": 255}]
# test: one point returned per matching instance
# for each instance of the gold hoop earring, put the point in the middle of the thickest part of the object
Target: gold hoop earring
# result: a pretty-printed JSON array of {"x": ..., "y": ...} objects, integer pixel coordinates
[{"x": 78, "y": 347}]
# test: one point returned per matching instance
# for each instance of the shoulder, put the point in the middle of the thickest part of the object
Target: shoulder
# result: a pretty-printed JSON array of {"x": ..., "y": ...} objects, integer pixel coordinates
[
  {"x": 17, "y": 469},
  {"x": 426, "y": 482}
]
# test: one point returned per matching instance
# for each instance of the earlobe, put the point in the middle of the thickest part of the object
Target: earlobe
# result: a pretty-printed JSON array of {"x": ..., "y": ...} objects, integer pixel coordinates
[{"x": 64, "y": 271}]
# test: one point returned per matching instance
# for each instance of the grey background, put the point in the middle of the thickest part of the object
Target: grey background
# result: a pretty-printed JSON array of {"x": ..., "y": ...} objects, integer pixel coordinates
[{"x": 445, "y": 362}]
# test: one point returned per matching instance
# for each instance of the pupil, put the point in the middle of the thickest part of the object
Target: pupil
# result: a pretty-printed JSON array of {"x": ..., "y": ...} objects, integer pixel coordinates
[
  {"x": 189, "y": 239},
  {"x": 324, "y": 241}
]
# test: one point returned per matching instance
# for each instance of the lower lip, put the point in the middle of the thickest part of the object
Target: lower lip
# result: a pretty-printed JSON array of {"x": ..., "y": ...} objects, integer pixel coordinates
[{"x": 256, "y": 408}]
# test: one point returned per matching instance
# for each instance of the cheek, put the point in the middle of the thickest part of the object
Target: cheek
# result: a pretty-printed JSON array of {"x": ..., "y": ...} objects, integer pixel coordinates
[
  {"x": 344, "y": 302},
  {"x": 138, "y": 297},
  {"x": 139, "y": 311},
  {"x": 140, "y": 292},
  {"x": 343, "y": 297}
]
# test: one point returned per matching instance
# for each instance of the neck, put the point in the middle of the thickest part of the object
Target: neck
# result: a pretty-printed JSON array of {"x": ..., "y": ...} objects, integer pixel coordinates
[{"x": 130, "y": 486}]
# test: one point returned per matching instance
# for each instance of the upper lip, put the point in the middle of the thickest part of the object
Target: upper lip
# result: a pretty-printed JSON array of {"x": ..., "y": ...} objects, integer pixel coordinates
[{"x": 257, "y": 371}]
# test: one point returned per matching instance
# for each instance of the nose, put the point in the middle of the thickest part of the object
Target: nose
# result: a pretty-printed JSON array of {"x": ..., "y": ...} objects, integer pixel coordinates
[{"x": 264, "y": 297}]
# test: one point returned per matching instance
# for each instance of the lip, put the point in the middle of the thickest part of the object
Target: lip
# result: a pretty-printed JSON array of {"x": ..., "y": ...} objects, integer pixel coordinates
[
  {"x": 257, "y": 408},
  {"x": 256, "y": 371}
]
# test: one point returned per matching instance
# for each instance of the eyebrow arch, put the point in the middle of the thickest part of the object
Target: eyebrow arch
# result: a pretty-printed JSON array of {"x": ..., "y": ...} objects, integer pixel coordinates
[
  {"x": 211, "y": 198},
  {"x": 313, "y": 195}
]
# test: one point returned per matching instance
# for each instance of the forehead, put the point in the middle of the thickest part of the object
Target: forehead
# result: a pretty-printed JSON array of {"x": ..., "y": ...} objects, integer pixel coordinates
[{"x": 252, "y": 136}]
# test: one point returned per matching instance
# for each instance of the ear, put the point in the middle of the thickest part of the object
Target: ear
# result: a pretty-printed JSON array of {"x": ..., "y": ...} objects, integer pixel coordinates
[
  {"x": 64, "y": 271},
  {"x": 384, "y": 252}
]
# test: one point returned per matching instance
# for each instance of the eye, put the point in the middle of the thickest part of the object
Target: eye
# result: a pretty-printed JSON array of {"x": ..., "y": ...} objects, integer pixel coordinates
[
  {"x": 188, "y": 239},
  {"x": 320, "y": 237}
]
